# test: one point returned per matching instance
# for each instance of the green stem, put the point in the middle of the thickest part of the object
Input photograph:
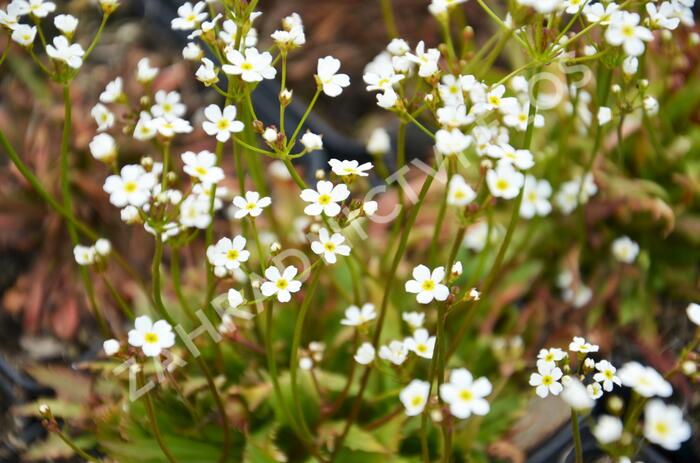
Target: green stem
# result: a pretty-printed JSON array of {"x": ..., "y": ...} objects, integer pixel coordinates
[
  {"x": 80, "y": 452},
  {"x": 177, "y": 284},
  {"x": 577, "y": 436},
  {"x": 156, "y": 283},
  {"x": 154, "y": 425},
  {"x": 123, "y": 306},
  {"x": 220, "y": 405},
  {"x": 389, "y": 21},
  {"x": 292, "y": 140}
]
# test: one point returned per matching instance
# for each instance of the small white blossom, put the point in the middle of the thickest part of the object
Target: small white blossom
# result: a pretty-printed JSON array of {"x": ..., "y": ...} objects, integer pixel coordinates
[
  {"x": 325, "y": 198},
  {"x": 84, "y": 255},
  {"x": 69, "y": 53},
  {"x": 356, "y": 316},
  {"x": 577, "y": 396},
  {"x": 131, "y": 187},
  {"x": 328, "y": 77},
  {"x": 664, "y": 425},
  {"x": 280, "y": 284},
  {"x": 24, "y": 34},
  {"x": 421, "y": 343},
  {"x": 365, "y": 354},
  {"x": 546, "y": 380},
  {"x": 396, "y": 352},
  {"x": 428, "y": 285},
  {"x": 693, "y": 312},
  {"x": 608, "y": 429},
  {"x": 251, "y": 65},
  {"x": 625, "y": 250},
  {"x": 189, "y": 16},
  {"x": 346, "y": 168},
  {"x": 103, "y": 148},
  {"x": 202, "y": 166},
  {"x": 646, "y": 381},
  {"x": 466, "y": 396},
  {"x": 414, "y": 397},
  {"x": 624, "y": 29},
  {"x": 504, "y": 181},
  {"x": 228, "y": 253},
  {"x": 221, "y": 123},
  {"x": 579, "y": 344},
  {"x": 151, "y": 337},
  {"x": 111, "y": 347},
  {"x": 144, "y": 71},
  {"x": 311, "y": 141},
  {"x": 252, "y": 204},
  {"x": 329, "y": 245},
  {"x": 459, "y": 193},
  {"x": 535, "y": 198},
  {"x": 413, "y": 319}
]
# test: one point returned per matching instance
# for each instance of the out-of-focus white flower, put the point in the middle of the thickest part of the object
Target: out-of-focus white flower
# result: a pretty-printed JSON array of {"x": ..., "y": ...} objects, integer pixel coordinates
[
  {"x": 427, "y": 60},
  {"x": 396, "y": 352},
  {"x": 579, "y": 344},
  {"x": 69, "y": 53},
  {"x": 625, "y": 250},
  {"x": 103, "y": 117},
  {"x": 251, "y": 65},
  {"x": 452, "y": 142},
  {"x": 113, "y": 91},
  {"x": 346, "y": 168},
  {"x": 464, "y": 395},
  {"x": 103, "y": 247},
  {"x": 608, "y": 429},
  {"x": 576, "y": 395},
  {"x": 365, "y": 354},
  {"x": 189, "y": 16},
  {"x": 414, "y": 397},
  {"x": 630, "y": 65},
  {"x": 624, "y": 29},
  {"x": 646, "y": 381},
  {"x": 693, "y": 312},
  {"x": 535, "y": 198},
  {"x": 356, "y": 316},
  {"x": 36, "y": 8},
  {"x": 111, "y": 347},
  {"x": 202, "y": 166},
  {"x": 103, "y": 148},
  {"x": 664, "y": 425},
  {"x": 504, "y": 181},
  {"x": 428, "y": 285},
  {"x": 130, "y": 215},
  {"x": 328, "y": 77},
  {"x": 170, "y": 127},
  {"x": 379, "y": 142},
  {"x": 168, "y": 105},
  {"x": 421, "y": 343},
  {"x": 329, "y": 245},
  {"x": 280, "y": 284},
  {"x": 151, "y": 337},
  {"x": 252, "y": 204},
  {"x": 413, "y": 319},
  {"x": 206, "y": 73},
  {"x": 604, "y": 115},
  {"x": 662, "y": 17},
  {"x": 192, "y": 52},
  {"x": 84, "y": 255},
  {"x": 651, "y": 105},
  {"x": 144, "y": 71},
  {"x": 194, "y": 212},
  {"x": 325, "y": 198},
  {"x": 24, "y": 34},
  {"x": 145, "y": 127}
]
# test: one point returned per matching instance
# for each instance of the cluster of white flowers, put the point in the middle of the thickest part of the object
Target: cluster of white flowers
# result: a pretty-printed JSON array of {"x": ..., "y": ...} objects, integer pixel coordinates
[{"x": 89, "y": 255}]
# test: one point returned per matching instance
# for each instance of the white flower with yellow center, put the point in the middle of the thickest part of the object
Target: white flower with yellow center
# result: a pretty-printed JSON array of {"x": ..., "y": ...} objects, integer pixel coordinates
[
  {"x": 551, "y": 356},
  {"x": 151, "y": 337},
  {"x": 606, "y": 375},
  {"x": 325, "y": 198},
  {"x": 168, "y": 105},
  {"x": 414, "y": 397},
  {"x": 252, "y": 204},
  {"x": 546, "y": 380},
  {"x": 202, "y": 166},
  {"x": 522, "y": 159},
  {"x": 535, "y": 198},
  {"x": 132, "y": 186},
  {"x": 421, "y": 344},
  {"x": 221, "y": 123},
  {"x": 280, "y": 284},
  {"x": 579, "y": 344},
  {"x": 664, "y": 425},
  {"x": 504, "y": 181},
  {"x": 356, "y": 316},
  {"x": 464, "y": 395},
  {"x": 37, "y": 8},
  {"x": 331, "y": 82},
  {"x": 145, "y": 127},
  {"x": 251, "y": 65},
  {"x": 624, "y": 29},
  {"x": 347, "y": 168},
  {"x": 645, "y": 381},
  {"x": 69, "y": 53},
  {"x": 625, "y": 250},
  {"x": 396, "y": 352},
  {"x": 459, "y": 193},
  {"x": 228, "y": 253},
  {"x": 329, "y": 245},
  {"x": 103, "y": 117},
  {"x": 189, "y": 16},
  {"x": 428, "y": 285},
  {"x": 24, "y": 34}
]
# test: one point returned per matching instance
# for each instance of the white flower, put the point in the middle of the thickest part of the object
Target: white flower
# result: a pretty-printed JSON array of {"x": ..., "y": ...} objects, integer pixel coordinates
[
  {"x": 103, "y": 117},
  {"x": 311, "y": 141},
  {"x": 84, "y": 255},
  {"x": 517, "y": 116},
  {"x": 396, "y": 352},
  {"x": 604, "y": 115},
  {"x": 543, "y": 6},
  {"x": 194, "y": 212},
  {"x": 145, "y": 127},
  {"x": 453, "y": 116},
  {"x": 327, "y": 76},
  {"x": 522, "y": 159},
  {"x": 478, "y": 234},
  {"x": 280, "y": 284},
  {"x": 651, "y": 105},
  {"x": 457, "y": 269},
  {"x": 624, "y": 29},
  {"x": 546, "y": 380},
  {"x": 579, "y": 344},
  {"x": 103, "y": 148},
  {"x": 422, "y": 344},
  {"x": 630, "y": 65},
  {"x": 167, "y": 105},
  {"x": 387, "y": 100},
  {"x": 290, "y": 37},
  {"x": 113, "y": 91},
  {"x": 625, "y": 250},
  {"x": 144, "y": 71},
  {"x": 453, "y": 142},
  {"x": 414, "y": 397},
  {"x": 24, "y": 34},
  {"x": 365, "y": 354},
  {"x": 595, "y": 391},
  {"x": 221, "y": 123},
  {"x": 252, "y": 66},
  {"x": 504, "y": 181},
  {"x": 459, "y": 193},
  {"x": 494, "y": 100},
  {"x": 413, "y": 319},
  {"x": 329, "y": 245},
  {"x": 662, "y": 17},
  {"x": 65, "y": 23},
  {"x": 133, "y": 186},
  {"x": 37, "y": 8},
  {"x": 370, "y": 208},
  {"x": 11, "y": 16},
  {"x": 325, "y": 198},
  {"x": 379, "y": 142},
  {"x": 428, "y": 285},
  {"x": 438, "y": 7},
  {"x": 234, "y": 298},
  {"x": 129, "y": 215},
  {"x": 346, "y": 168},
  {"x": 646, "y": 381},
  {"x": 427, "y": 60},
  {"x": 398, "y": 47},
  {"x": 608, "y": 429},
  {"x": 356, "y": 316},
  {"x": 63, "y": 50},
  {"x": 103, "y": 247},
  {"x": 464, "y": 395},
  {"x": 551, "y": 356},
  {"x": 192, "y": 52},
  {"x": 606, "y": 375},
  {"x": 252, "y": 204},
  {"x": 228, "y": 253},
  {"x": 206, "y": 73},
  {"x": 230, "y": 30},
  {"x": 535, "y": 198},
  {"x": 151, "y": 337},
  {"x": 693, "y": 311},
  {"x": 599, "y": 13},
  {"x": 202, "y": 166},
  {"x": 576, "y": 395},
  {"x": 189, "y": 16},
  {"x": 169, "y": 127},
  {"x": 111, "y": 347},
  {"x": 664, "y": 425}
]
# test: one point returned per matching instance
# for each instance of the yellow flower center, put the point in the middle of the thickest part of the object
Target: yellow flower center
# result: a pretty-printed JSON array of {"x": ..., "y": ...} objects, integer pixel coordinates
[
  {"x": 628, "y": 31},
  {"x": 200, "y": 170},
  {"x": 549, "y": 358},
  {"x": 324, "y": 199},
  {"x": 608, "y": 374},
  {"x": 547, "y": 380},
  {"x": 247, "y": 66},
  {"x": 416, "y": 400},
  {"x": 422, "y": 348},
  {"x": 282, "y": 283},
  {"x": 428, "y": 285},
  {"x": 661, "y": 428},
  {"x": 494, "y": 100},
  {"x": 232, "y": 254},
  {"x": 167, "y": 107},
  {"x": 151, "y": 338},
  {"x": 250, "y": 206},
  {"x": 223, "y": 124},
  {"x": 130, "y": 187},
  {"x": 329, "y": 246},
  {"x": 502, "y": 184},
  {"x": 466, "y": 395}
]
